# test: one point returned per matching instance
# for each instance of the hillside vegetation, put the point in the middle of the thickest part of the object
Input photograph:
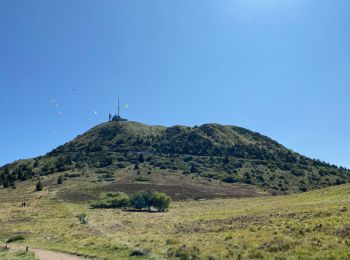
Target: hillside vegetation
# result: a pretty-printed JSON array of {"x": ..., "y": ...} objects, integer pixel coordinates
[{"x": 208, "y": 153}]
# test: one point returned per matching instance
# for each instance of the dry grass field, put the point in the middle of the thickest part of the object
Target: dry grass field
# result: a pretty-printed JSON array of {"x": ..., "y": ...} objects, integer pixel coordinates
[{"x": 312, "y": 225}]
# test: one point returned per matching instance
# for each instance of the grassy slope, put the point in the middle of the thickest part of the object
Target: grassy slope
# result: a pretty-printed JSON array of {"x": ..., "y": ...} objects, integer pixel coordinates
[
  {"x": 19, "y": 255},
  {"x": 309, "y": 225}
]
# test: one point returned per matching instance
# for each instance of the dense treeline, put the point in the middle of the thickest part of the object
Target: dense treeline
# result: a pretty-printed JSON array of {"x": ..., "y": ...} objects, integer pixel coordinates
[{"x": 9, "y": 177}]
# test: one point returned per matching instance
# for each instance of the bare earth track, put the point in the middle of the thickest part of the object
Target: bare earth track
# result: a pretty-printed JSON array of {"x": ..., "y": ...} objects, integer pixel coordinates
[{"x": 42, "y": 254}]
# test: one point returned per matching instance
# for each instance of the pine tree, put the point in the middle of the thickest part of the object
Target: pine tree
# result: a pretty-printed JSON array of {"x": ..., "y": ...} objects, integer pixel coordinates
[
  {"x": 7, "y": 171},
  {"x": 24, "y": 177},
  {"x": 39, "y": 186},
  {"x": 141, "y": 158},
  {"x": 60, "y": 180},
  {"x": 6, "y": 183},
  {"x": 19, "y": 174}
]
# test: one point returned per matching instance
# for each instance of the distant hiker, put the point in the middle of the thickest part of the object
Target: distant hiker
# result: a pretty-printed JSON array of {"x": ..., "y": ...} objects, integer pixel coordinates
[{"x": 27, "y": 249}]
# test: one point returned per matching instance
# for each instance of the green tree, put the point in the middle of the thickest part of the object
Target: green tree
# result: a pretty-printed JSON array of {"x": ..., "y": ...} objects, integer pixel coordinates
[
  {"x": 141, "y": 158},
  {"x": 137, "y": 201},
  {"x": 7, "y": 171},
  {"x": 194, "y": 169},
  {"x": 24, "y": 176},
  {"x": 39, "y": 186},
  {"x": 226, "y": 160},
  {"x": 19, "y": 174},
  {"x": 6, "y": 183},
  {"x": 60, "y": 180},
  {"x": 161, "y": 201},
  {"x": 119, "y": 200},
  {"x": 113, "y": 200},
  {"x": 148, "y": 199}
]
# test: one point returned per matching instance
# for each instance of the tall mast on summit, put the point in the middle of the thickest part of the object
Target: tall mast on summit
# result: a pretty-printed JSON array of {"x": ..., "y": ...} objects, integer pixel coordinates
[{"x": 118, "y": 107}]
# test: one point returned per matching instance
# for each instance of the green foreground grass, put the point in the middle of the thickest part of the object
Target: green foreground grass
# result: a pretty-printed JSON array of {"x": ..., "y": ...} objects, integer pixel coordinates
[
  {"x": 20, "y": 255},
  {"x": 313, "y": 225}
]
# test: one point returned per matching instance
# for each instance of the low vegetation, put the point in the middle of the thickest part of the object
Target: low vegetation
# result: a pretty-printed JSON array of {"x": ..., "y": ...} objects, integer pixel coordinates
[
  {"x": 83, "y": 218},
  {"x": 14, "y": 238},
  {"x": 16, "y": 255}
]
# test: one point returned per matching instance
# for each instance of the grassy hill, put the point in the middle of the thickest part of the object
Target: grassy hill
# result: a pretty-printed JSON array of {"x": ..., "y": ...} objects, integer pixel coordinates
[
  {"x": 235, "y": 168},
  {"x": 206, "y": 161}
]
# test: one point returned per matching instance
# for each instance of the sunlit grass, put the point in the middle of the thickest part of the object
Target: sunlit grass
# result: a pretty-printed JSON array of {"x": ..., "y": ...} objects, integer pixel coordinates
[{"x": 305, "y": 226}]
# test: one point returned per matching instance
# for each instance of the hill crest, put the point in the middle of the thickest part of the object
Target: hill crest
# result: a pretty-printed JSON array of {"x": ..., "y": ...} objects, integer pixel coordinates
[{"x": 210, "y": 152}]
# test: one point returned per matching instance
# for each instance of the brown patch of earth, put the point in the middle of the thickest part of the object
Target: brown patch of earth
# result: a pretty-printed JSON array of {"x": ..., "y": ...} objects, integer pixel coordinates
[{"x": 176, "y": 192}]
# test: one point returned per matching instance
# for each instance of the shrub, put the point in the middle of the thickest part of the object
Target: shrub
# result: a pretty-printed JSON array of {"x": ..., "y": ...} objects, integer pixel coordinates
[
  {"x": 229, "y": 180},
  {"x": 302, "y": 188},
  {"x": 194, "y": 169},
  {"x": 119, "y": 199},
  {"x": 121, "y": 165},
  {"x": 113, "y": 200},
  {"x": 226, "y": 160},
  {"x": 157, "y": 200},
  {"x": 140, "y": 252},
  {"x": 14, "y": 238},
  {"x": 160, "y": 201},
  {"x": 188, "y": 159},
  {"x": 184, "y": 252},
  {"x": 137, "y": 201},
  {"x": 141, "y": 158},
  {"x": 60, "y": 180},
  {"x": 297, "y": 172},
  {"x": 83, "y": 218},
  {"x": 72, "y": 175},
  {"x": 6, "y": 183},
  {"x": 39, "y": 186}
]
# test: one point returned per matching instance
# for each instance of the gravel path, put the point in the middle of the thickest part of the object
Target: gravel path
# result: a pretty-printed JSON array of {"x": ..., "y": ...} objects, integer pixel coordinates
[{"x": 46, "y": 254}]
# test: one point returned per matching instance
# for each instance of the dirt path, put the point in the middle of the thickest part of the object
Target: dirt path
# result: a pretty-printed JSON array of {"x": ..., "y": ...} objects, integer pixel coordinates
[
  {"x": 42, "y": 254},
  {"x": 38, "y": 198}
]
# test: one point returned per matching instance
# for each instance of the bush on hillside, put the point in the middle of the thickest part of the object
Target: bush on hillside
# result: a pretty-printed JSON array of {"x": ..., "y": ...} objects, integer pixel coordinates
[
  {"x": 39, "y": 186},
  {"x": 139, "y": 200},
  {"x": 229, "y": 179},
  {"x": 60, "y": 180},
  {"x": 6, "y": 183},
  {"x": 14, "y": 238},
  {"x": 302, "y": 188},
  {"x": 147, "y": 200},
  {"x": 113, "y": 200},
  {"x": 160, "y": 201},
  {"x": 83, "y": 219}
]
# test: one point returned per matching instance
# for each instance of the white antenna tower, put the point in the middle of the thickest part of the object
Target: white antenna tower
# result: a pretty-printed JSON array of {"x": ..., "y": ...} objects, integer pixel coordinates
[{"x": 118, "y": 107}]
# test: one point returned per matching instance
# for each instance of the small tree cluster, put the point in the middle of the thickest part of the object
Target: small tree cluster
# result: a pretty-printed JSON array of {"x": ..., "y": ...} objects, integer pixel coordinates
[
  {"x": 140, "y": 200},
  {"x": 113, "y": 200},
  {"x": 148, "y": 200}
]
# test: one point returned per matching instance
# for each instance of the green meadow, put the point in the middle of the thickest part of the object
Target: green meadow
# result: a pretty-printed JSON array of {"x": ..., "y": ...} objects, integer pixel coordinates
[{"x": 311, "y": 225}]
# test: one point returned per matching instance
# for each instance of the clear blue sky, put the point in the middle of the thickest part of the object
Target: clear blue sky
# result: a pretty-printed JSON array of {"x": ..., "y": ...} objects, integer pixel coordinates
[{"x": 279, "y": 67}]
